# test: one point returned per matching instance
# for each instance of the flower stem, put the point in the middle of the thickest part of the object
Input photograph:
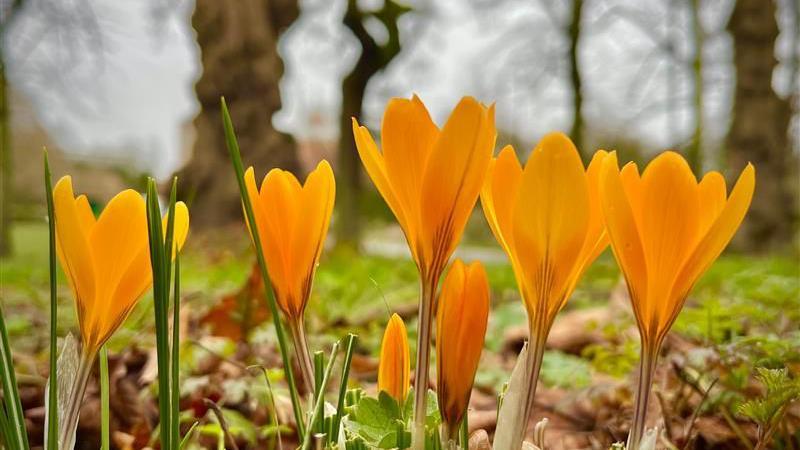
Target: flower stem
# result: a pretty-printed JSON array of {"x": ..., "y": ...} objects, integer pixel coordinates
[
  {"x": 533, "y": 366},
  {"x": 297, "y": 327},
  {"x": 647, "y": 365},
  {"x": 66, "y": 438},
  {"x": 427, "y": 293}
]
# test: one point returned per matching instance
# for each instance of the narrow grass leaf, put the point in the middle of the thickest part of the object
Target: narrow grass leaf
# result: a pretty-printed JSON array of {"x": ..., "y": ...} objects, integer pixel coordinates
[
  {"x": 188, "y": 435},
  {"x": 105, "y": 416},
  {"x": 51, "y": 431},
  {"x": 319, "y": 401},
  {"x": 17, "y": 438},
  {"x": 161, "y": 299},
  {"x": 236, "y": 159},
  {"x": 348, "y": 360},
  {"x": 175, "y": 354}
]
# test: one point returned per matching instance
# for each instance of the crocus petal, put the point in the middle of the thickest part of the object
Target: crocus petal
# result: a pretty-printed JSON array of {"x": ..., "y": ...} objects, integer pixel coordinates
[
  {"x": 622, "y": 230},
  {"x": 376, "y": 169},
  {"x": 73, "y": 245},
  {"x": 255, "y": 202},
  {"x": 596, "y": 237},
  {"x": 499, "y": 196},
  {"x": 407, "y": 138},
  {"x": 116, "y": 239},
  {"x": 453, "y": 179},
  {"x": 316, "y": 202},
  {"x": 670, "y": 220},
  {"x": 394, "y": 370},
  {"x": 713, "y": 195},
  {"x": 718, "y": 235},
  {"x": 461, "y": 328},
  {"x": 548, "y": 237},
  {"x": 85, "y": 213},
  {"x": 280, "y": 200}
]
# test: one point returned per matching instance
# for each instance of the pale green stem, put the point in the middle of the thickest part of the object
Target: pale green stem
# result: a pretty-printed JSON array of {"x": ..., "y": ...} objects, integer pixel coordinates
[
  {"x": 297, "y": 327},
  {"x": 427, "y": 293},
  {"x": 647, "y": 366},
  {"x": 66, "y": 439},
  {"x": 533, "y": 367}
]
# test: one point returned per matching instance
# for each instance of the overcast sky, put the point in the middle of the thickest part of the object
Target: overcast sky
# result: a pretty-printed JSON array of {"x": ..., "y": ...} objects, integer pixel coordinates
[{"x": 119, "y": 82}]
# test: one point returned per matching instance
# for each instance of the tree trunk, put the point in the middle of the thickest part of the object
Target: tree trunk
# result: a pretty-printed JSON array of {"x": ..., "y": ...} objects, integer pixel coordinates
[
  {"x": 694, "y": 154},
  {"x": 574, "y": 31},
  {"x": 759, "y": 131},
  {"x": 349, "y": 180},
  {"x": 6, "y": 184},
  {"x": 374, "y": 57},
  {"x": 239, "y": 47}
]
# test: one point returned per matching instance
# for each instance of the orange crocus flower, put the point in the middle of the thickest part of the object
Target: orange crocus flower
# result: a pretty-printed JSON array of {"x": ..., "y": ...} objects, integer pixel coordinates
[
  {"x": 547, "y": 218},
  {"x": 460, "y": 331},
  {"x": 666, "y": 230},
  {"x": 107, "y": 263},
  {"x": 395, "y": 364},
  {"x": 292, "y": 223},
  {"x": 430, "y": 179},
  {"x": 106, "y": 260}
]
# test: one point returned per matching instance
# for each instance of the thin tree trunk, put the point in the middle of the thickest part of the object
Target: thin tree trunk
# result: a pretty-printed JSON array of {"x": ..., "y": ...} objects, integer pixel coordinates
[
  {"x": 759, "y": 131},
  {"x": 694, "y": 154},
  {"x": 374, "y": 57},
  {"x": 239, "y": 53},
  {"x": 576, "y": 133},
  {"x": 6, "y": 184},
  {"x": 349, "y": 183}
]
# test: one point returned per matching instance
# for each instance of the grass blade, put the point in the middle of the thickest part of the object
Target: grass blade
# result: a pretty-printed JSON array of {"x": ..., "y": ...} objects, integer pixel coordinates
[
  {"x": 188, "y": 435},
  {"x": 175, "y": 355},
  {"x": 273, "y": 406},
  {"x": 161, "y": 299},
  {"x": 319, "y": 375},
  {"x": 319, "y": 401},
  {"x": 17, "y": 438},
  {"x": 236, "y": 158},
  {"x": 105, "y": 416},
  {"x": 348, "y": 359},
  {"x": 52, "y": 390}
]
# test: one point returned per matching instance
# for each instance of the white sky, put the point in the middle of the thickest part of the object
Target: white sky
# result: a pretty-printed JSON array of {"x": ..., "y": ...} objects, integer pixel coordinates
[{"x": 119, "y": 83}]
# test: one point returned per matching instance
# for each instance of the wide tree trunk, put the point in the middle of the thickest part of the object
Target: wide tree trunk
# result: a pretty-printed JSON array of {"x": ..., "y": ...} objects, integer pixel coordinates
[
  {"x": 759, "y": 131},
  {"x": 239, "y": 47}
]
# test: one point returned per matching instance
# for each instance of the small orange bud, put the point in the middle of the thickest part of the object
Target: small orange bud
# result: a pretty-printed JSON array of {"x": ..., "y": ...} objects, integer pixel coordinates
[
  {"x": 461, "y": 328},
  {"x": 395, "y": 365}
]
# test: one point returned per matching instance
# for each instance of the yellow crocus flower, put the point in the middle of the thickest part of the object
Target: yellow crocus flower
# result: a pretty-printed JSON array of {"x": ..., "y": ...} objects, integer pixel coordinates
[
  {"x": 293, "y": 222},
  {"x": 430, "y": 178},
  {"x": 394, "y": 368},
  {"x": 107, "y": 259},
  {"x": 548, "y": 219},
  {"x": 107, "y": 263},
  {"x": 460, "y": 331},
  {"x": 666, "y": 230}
]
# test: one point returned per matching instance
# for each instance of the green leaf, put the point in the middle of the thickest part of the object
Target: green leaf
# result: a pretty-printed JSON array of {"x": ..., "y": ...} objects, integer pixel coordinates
[
  {"x": 236, "y": 159},
  {"x": 105, "y": 442},
  {"x": 373, "y": 420},
  {"x": 51, "y": 431}
]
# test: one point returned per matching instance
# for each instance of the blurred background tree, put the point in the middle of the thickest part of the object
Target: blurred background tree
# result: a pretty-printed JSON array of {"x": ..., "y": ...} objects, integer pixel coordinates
[
  {"x": 759, "y": 132},
  {"x": 239, "y": 56},
  {"x": 375, "y": 55},
  {"x": 713, "y": 80}
]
